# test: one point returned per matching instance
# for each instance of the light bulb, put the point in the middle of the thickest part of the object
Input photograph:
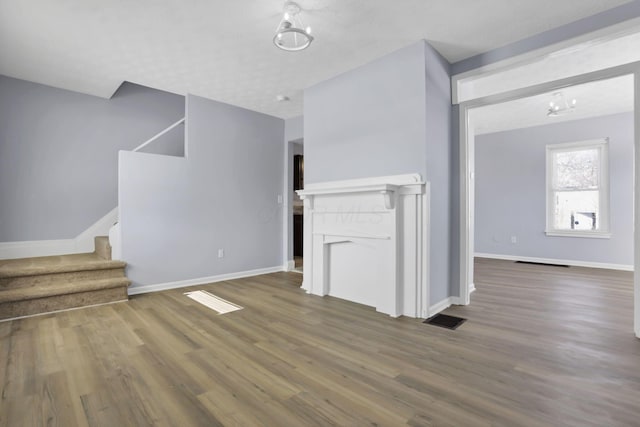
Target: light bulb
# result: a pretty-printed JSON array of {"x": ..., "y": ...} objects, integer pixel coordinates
[
  {"x": 286, "y": 16},
  {"x": 308, "y": 30}
]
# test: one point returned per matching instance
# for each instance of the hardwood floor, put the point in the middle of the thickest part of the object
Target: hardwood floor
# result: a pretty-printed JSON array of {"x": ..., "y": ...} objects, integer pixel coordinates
[{"x": 543, "y": 346}]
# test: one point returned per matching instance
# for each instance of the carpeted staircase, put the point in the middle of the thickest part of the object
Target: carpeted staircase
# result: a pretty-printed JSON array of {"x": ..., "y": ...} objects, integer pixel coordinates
[{"x": 31, "y": 286}]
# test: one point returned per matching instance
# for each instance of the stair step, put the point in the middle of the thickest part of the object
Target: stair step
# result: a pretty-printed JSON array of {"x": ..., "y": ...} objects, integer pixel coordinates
[
  {"x": 55, "y": 264},
  {"x": 67, "y": 277},
  {"x": 49, "y": 290},
  {"x": 52, "y": 303},
  {"x": 103, "y": 247},
  {"x": 30, "y": 286}
]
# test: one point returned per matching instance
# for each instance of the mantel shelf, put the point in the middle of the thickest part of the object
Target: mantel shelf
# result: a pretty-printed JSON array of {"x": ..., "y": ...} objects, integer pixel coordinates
[
  {"x": 352, "y": 235},
  {"x": 381, "y": 188}
]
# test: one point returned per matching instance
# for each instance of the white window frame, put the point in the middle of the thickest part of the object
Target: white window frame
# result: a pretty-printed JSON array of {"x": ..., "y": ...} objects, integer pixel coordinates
[{"x": 603, "y": 188}]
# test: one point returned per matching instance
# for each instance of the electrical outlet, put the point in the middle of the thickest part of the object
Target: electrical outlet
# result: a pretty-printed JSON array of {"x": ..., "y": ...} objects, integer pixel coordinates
[
  {"x": 279, "y": 199},
  {"x": 220, "y": 253},
  {"x": 514, "y": 239}
]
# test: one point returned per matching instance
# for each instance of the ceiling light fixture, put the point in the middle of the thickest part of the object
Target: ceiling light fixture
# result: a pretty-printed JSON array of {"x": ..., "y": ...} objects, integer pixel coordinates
[
  {"x": 559, "y": 106},
  {"x": 291, "y": 34}
]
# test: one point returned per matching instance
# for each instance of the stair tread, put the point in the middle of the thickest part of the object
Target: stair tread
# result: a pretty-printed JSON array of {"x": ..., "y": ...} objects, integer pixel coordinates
[
  {"x": 63, "y": 288},
  {"x": 55, "y": 264}
]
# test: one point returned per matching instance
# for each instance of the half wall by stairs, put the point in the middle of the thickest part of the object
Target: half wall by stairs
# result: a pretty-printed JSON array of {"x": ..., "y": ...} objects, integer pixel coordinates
[{"x": 38, "y": 285}]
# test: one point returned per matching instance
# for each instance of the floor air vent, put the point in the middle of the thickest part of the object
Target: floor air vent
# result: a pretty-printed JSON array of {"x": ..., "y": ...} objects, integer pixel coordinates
[
  {"x": 213, "y": 302},
  {"x": 445, "y": 321}
]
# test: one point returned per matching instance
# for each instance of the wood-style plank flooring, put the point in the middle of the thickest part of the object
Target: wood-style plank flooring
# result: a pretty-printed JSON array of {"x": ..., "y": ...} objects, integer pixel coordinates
[{"x": 543, "y": 346}]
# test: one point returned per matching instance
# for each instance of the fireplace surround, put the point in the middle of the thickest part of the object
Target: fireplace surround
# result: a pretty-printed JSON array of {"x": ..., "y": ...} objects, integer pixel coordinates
[{"x": 366, "y": 241}]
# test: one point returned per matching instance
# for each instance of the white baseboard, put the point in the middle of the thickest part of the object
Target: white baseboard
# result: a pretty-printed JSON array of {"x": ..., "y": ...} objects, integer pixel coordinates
[
  {"x": 575, "y": 263},
  {"x": 143, "y": 289},
  {"x": 290, "y": 265},
  {"x": 81, "y": 243},
  {"x": 35, "y": 248},
  {"x": 442, "y": 305},
  {"x": 448, "y": 302}
]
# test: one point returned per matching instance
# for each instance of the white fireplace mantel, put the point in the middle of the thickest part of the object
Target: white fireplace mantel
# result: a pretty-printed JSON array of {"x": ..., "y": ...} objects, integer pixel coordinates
[{"x": 365, "y": 240}]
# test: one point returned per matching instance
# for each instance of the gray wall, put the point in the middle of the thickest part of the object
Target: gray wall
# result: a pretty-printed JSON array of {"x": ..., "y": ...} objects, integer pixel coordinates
[
  {"x": 369, "y": 121},
  {"x": 168, "y": 144},
  {"x": 58, "y": 153},
  {"x": 438, "y": 171},
  {"x": 177, "y": 212},
  {"x": 389, "y": 117},
  {"x": 294, "y": 128},
  {"x": 510, "y": 192}
]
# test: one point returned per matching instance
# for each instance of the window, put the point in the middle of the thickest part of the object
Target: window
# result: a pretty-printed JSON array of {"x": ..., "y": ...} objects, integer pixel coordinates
[{"x": 578, "y": 189}]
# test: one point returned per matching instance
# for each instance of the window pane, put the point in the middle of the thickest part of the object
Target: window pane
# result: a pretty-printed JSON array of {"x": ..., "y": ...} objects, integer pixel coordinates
[
  {"x": 577, "y": 169},
  {"x": 577, "y": 210}
]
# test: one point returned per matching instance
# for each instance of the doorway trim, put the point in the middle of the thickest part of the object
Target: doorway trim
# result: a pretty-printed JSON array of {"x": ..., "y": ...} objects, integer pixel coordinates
[{"x": 467, "y": 169}]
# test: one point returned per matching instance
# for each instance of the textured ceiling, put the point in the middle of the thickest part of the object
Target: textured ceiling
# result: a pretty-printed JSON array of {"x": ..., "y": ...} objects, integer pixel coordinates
[
  {"x": 222, "y": 49},
  {"x": 593, "y": 99}
]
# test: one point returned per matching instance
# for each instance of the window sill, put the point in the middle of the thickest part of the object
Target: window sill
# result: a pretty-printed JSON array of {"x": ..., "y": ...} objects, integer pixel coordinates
[{"x": 582, "y": 233}]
